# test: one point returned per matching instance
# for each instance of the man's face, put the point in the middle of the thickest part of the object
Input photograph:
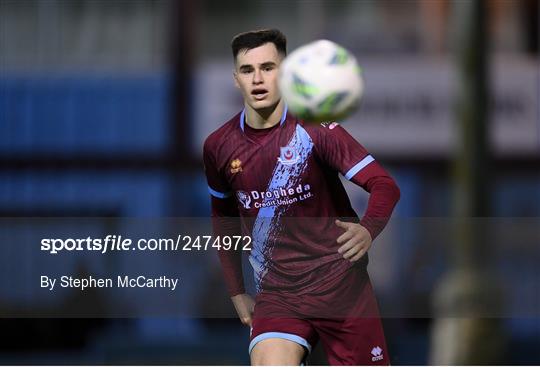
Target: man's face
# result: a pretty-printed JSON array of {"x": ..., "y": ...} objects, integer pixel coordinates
[{"x": 256, "y": 74}]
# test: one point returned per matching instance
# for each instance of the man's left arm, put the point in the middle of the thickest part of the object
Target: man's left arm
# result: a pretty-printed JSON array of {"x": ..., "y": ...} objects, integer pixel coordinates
[
  {"x": 344, "y": 154},
  {"x": 384, "y": 195}
]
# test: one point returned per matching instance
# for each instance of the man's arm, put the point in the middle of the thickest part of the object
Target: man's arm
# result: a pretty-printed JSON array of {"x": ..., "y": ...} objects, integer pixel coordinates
[
  {"x": 384, "y": 195},
  {"x": 226, "y": 222},
  {"x": 344, "y": 154}
]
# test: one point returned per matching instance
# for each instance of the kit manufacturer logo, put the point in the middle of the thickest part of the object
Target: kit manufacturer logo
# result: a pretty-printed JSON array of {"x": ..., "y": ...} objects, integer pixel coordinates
[
  {"x": 377, "y": 354},
  {"x": 236, "y": 166}
]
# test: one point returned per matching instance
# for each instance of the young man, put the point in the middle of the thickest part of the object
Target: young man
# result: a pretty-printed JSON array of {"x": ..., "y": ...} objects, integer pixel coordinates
[{"x": 279, "y": 177}]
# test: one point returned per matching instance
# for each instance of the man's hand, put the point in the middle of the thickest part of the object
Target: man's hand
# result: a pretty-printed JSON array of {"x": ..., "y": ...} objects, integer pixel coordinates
[
  {"x": 355, "y": 241},
  {"x": 244, "y": 305}
]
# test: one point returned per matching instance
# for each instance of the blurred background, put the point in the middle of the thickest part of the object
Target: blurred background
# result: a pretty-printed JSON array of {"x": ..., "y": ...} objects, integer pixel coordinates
[{"x": 104, "y": 106}]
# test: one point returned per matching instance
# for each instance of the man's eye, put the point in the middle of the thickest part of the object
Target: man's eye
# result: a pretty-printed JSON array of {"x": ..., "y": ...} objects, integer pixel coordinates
[{"x": 268, "y": 68}]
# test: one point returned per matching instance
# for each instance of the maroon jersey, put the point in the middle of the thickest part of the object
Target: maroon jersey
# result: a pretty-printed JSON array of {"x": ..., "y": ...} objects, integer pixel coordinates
[{"x": 285, "y": 187}]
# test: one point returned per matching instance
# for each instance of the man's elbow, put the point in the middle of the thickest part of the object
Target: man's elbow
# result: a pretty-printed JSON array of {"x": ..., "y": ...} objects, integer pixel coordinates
[
  {"x": 396, "y": 192},
  {"x": 389, "y": 187}
]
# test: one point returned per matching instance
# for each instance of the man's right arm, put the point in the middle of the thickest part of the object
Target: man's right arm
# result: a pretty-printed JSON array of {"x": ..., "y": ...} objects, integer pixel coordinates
[{"x": 226, "y": 222}]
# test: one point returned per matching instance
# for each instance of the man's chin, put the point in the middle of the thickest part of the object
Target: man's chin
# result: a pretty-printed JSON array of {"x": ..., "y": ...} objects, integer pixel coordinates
[{"x": 264, "y": 105}]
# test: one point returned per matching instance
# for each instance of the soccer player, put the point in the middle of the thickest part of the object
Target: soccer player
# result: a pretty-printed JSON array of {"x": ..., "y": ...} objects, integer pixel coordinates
[{"x": 279, "y": 176}]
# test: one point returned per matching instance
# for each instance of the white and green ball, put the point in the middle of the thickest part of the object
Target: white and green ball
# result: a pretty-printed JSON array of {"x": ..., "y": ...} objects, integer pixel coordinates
[{"x": 321, "y": 81}]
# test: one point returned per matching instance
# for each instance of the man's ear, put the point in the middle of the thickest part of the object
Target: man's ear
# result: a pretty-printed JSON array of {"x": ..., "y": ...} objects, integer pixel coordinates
[{"x": 235, "y": 77}]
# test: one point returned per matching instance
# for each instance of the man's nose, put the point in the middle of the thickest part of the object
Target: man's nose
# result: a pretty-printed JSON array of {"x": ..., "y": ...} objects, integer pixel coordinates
[{"x": 257, "y": 77}]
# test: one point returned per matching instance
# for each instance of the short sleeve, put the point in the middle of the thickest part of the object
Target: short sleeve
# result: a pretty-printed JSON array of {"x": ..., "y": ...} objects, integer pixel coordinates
[{"x": 341, "y": 151}]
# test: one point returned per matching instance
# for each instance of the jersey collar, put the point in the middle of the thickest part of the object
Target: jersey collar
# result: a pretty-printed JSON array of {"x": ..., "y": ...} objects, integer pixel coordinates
[{"x": 243, "y": 117}]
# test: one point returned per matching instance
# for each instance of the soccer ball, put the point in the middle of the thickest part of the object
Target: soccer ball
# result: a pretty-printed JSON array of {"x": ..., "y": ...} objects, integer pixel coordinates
[{"x": 321, "y": 81}]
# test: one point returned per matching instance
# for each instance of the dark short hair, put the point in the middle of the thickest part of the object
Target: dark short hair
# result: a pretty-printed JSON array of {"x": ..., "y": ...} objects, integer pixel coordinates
[{"x": 253, "y": 39}]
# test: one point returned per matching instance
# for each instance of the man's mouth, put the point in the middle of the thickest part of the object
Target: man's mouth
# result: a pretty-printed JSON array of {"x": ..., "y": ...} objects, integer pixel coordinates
[{"x": 259, "y": 93}]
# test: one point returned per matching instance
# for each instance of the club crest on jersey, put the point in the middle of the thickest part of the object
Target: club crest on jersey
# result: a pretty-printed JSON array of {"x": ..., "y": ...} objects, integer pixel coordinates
[
  {"x": 288, "y": 155},
  {"x": 236, "y": 166},
  {"x": 244, "y": 199}
]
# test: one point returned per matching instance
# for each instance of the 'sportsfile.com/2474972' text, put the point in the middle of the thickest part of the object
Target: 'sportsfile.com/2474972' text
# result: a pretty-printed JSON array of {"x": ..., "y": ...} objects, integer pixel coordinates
[{"x": 119, "y": 243}]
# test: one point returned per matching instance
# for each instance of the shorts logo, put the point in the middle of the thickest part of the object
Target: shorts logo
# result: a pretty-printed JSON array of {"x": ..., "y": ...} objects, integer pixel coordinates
[
  {"x": 244, "y": 199},
  {"x": 289, "y": 155},
  {"x": 236, "y": 166},
  {"x": 377, "y": 354}
]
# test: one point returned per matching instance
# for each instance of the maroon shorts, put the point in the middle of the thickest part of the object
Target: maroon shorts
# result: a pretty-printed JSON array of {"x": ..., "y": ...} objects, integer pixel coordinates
[{"x": 352, "y": 336}]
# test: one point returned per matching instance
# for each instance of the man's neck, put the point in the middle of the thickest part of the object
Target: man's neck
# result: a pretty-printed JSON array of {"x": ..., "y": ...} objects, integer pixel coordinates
[{"x": 264, "y": 118}]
